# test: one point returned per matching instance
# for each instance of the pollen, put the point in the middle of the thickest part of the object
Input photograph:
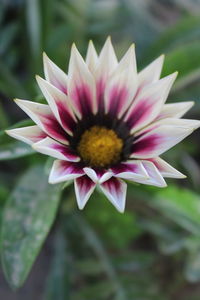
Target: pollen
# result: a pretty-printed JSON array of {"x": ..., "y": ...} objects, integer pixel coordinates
[{"x": 100, "y": 147}]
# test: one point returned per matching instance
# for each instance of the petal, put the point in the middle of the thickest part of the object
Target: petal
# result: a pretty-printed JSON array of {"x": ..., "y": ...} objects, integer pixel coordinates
[
  {"x": 97, "y": 175},
  {"x": 91, "y": 57},
  {"x": 165, "y": 169},
  {"x": 84, "y": 187},
  {"x": 187, "y": 123},
  {"x": 115, "y": 191},
  {"x": 81, "y": 85},
  {"x": 122, "y": 87},
  {"x": 64, "y": 170},
  {"x": 106, "y": 65},
  {"x": 54, "y": 74},
  {"x": 130, "y": 171},
  {"x": 151, "y": 73},
  {"x": 29, "y": 135},
  {"x": 175, "y": 110},
  {"x": 52, "y": 148},
  {"x": 148, "y": 103},
  {"x": 42, "y": 115},
  {"x": 59, "y": 104},
  {"x": 158, "y": 140},
  {"x": 154, "y": 176}
]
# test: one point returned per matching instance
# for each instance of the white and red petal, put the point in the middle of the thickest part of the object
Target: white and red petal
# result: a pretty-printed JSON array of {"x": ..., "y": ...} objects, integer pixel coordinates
[
  {"x": 54, "y": 74},
  {"x": 158, "y": 140},
  {"x": 29, "y": 134},
  {"x": 98, "y": 176},
  {"x": 165, "y": 169},
  {"x": 107, "y": 63},
  {"x": 174, "y": 110},
  {"x": 148, "y": 104},
  {"x": 42, "y": 115},
  {"x": 122, "y": 86},
  {"x": 55, "y": 149},
  {"x": 132, "y": 170},
  {"x": 64, "y": 170},
  {"x": 91, "y": 57},
  {"x": 151, "y": 73},
  {"x": 84, "y": 187},
  {"x": 154, "y": 176},
  {"x": 81, "y": 88},
  {"x": 59, "y": 104},
  {"x": 115, "y": 190}
]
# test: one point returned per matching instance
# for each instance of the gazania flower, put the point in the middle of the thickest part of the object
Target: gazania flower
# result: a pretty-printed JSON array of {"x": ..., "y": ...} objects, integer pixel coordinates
[{"x": 105, "y": 123}]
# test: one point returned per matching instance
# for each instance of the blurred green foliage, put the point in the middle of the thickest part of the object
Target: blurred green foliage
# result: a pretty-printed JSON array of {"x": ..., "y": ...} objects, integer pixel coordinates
[{"x": 153, "y": 250}]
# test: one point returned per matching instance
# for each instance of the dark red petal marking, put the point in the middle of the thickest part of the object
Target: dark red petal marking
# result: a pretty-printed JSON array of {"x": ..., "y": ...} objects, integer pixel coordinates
[
  {"x": 66, "y": 151},
  {"x": 84, "y": 185},
  {"x": 112, "y": 184},
  {"x": 117, "y": 98},
  {"x": 146, "y": 144},
  {"x": 66, "y": 168},
  {"x": 53, "y": 128},
  {"x": 123, "y": 167},
  {"x": 83, "y": 98},
  {"x": 100, "y": 89},
  {"x": 66, "y": 119},
  {"x": 139, "y": 113}
]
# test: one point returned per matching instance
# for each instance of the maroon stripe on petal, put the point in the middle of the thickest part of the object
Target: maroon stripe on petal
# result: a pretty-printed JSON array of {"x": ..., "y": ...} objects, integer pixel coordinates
[
  {"x": 117, "y": 99},
  {"x": 112, "y": 185},
  {"x": 84, "y": 184},
  {"x": 139, "y": 113},
  {"x": 53, "y": 128},
  {"x": 83, "y": 98},
  {"x": 66, "y": 118},
  {"x": 123, "y": 167},
  {"x": 66, "y": 168},
  {"x": 146, "y": 144},
  {"x": 64, "y": 150},
  {"x": 100, "y": 88}
]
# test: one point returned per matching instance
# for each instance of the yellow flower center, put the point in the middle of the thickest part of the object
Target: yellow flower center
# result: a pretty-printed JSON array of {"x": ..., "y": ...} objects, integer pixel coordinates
[{"x": 100, "y": 147}]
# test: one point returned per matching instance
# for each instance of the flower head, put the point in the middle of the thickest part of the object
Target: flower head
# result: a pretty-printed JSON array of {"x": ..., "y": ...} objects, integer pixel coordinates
[{"x": 105, "y": 123}]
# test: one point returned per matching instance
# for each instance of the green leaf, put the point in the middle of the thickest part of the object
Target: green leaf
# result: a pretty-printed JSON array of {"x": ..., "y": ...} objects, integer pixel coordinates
[
  {"x": 58, "y": 280},
  {"x": 187, "y": 30},
  {"x": 184, "y": 58},
  {"x": 15, "y": 150},
  {"x": 27, "y": 219},
  {"x": 180, "y": 205}
]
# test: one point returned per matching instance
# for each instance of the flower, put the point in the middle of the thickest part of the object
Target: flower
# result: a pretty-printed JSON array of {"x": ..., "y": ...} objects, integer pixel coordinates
[{"x": 106, "y": 123}]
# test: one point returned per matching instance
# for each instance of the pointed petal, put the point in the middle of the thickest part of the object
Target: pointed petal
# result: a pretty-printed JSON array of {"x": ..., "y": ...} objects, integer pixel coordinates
[
  {"x": 81, "y": 85},
  {"x": 54, "y": 74},
  {"x": 107, "y": 60},
  {"x": 106, "y": 65},
  {"x": 59, "y": 104},
  {"x": 148, "y": 104},
  {"x": 158, "y": 140},
  {"x": 91, "y": 57},
  {"x": 175, "y": 110},
  {"x": 41, "y": 114},
  {"x": 115, "y": 191},
  {"x": 165, "y": 169},
  {"x": 84, "y": 187},
  {"x": 52, "y": 148},
  {"x": 132, "y": 170},
  {"x": 154, "y": 176},
  {"x": 64, "y": 170},
  {"x": 122, "y": 86},
  {"x": 29, "y": 135},
  {"x": 151, "y": 73},
  {"x": 98, "y": 176}
]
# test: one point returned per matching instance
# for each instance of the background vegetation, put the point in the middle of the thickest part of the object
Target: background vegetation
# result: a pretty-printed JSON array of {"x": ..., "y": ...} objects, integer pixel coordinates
[{"x": 153, "y": 250}]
